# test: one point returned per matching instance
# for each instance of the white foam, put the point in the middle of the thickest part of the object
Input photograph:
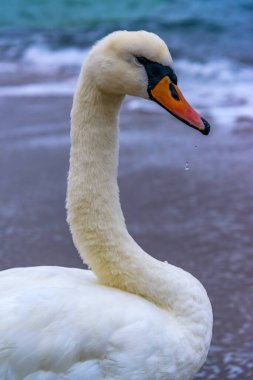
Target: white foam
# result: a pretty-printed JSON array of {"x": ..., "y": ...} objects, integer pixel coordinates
[
  {"x": 64, "y": 88},
  {"x": 46, "y": 59},
  {"x": 223, "y": 89},
  {"x": 40, "y": 60},
  {"x": 218, "y": 89}
]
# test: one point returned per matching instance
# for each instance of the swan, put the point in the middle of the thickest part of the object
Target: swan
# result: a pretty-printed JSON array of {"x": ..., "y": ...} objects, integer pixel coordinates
[{"x": 132, "y": 317}]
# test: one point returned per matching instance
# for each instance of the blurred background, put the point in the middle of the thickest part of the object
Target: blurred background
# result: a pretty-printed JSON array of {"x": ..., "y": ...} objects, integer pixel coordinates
[{"x": 188, "y": 199}]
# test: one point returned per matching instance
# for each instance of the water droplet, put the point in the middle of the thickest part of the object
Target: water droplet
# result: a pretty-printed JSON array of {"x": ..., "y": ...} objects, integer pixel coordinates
[
  {"x": 187, "y": 167},
  {"x": 195, "y": 146}
]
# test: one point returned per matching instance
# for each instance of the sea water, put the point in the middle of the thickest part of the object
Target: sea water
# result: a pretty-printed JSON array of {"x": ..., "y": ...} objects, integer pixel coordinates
[{"x": 211, "y": 43}]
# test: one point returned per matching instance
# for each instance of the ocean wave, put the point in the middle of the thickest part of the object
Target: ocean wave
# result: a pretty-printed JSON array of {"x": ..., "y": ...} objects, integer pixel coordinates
[
  {"x": 47, "y": 59},
  {"x": 220, "y": 89},
  {"x": 37, "y": 55},
  {"x": 64, "y": 88}
]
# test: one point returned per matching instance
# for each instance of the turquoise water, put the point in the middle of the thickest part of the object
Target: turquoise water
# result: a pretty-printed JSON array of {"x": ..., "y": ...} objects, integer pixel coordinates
[
  {"x": 72, "y": 13},
  {"x": 198, "y": 28},
  {"x": 210, "y": 41}
]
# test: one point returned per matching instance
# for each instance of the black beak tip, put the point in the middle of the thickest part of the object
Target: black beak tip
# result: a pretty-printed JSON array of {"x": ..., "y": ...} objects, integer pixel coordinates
[{"x": 207, "y": 127}]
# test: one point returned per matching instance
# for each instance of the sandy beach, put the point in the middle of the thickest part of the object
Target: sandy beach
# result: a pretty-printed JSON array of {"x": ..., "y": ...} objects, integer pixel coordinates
[{"x": 187, "y": 199}]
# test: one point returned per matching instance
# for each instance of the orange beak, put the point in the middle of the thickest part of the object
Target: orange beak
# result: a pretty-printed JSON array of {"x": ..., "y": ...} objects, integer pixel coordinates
[{"x": 167, "y": 94}]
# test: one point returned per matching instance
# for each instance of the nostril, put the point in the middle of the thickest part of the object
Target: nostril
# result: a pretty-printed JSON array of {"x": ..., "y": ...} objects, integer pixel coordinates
[
  {"x": 141, "y": 60},
  {"x": 173, "y": 91}
]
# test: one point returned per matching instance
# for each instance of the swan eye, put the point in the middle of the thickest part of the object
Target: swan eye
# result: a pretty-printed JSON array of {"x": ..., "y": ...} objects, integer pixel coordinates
[
  {"x": 156, "y": 71},
  {"x": 141, "y": 60}
]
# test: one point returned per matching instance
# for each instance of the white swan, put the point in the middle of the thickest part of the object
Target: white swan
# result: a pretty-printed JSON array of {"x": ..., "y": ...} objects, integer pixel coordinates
[{"x": 133, "y": 317}]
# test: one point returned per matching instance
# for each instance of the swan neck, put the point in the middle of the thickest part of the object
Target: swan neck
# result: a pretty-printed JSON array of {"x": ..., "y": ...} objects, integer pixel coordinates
[
  {"x": 97, "y": 223},
  {"x": 94, "y": 212}
]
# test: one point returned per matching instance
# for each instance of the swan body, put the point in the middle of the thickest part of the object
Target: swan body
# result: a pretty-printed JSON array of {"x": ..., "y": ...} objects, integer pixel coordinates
[
  {"x": 64, "y": 332},
  {"x": 132, "y": 316}
]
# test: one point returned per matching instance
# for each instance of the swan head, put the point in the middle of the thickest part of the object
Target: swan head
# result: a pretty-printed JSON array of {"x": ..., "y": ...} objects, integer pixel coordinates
[{"x": 139, "y": 64}]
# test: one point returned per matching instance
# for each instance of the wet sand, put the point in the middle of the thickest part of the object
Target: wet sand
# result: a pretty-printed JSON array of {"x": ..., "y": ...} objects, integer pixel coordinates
[{"x": 200, "y": 219}]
